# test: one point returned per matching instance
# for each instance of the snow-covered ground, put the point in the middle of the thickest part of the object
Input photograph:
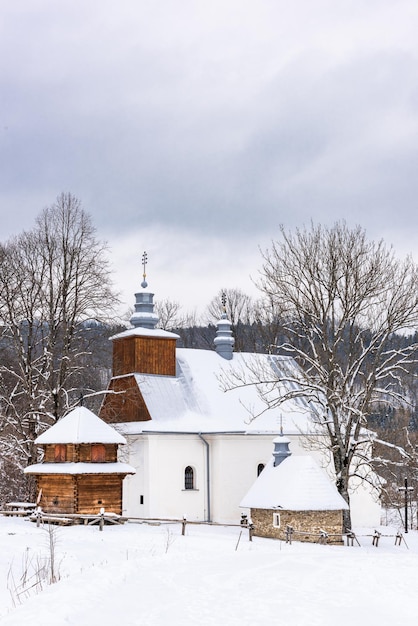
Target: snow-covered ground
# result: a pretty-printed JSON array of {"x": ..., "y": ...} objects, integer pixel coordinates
[{"x": 137, "y": 574}]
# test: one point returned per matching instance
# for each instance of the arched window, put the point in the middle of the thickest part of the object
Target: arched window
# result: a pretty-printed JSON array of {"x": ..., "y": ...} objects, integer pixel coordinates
[
  {"x": 189, "y": 478},
  {"x": 260, "y": 468}
]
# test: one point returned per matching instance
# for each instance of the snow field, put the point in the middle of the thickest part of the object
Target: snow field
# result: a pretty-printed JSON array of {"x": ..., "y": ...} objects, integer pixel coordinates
[{"x": 138, "y": 574}]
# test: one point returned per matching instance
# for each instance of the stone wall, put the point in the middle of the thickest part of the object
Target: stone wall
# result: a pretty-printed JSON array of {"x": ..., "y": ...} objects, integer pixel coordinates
[{"x": 307, "y": 525}]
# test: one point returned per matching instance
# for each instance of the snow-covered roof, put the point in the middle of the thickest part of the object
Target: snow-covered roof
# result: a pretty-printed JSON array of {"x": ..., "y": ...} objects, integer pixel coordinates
[
  {"x": 80, "y": 426},
  {"x": 296, "y": 484},
  {"x": 145, "y": 332},
  {"x": 195, "y": 401},
  {"x": 80, "y": 468}
]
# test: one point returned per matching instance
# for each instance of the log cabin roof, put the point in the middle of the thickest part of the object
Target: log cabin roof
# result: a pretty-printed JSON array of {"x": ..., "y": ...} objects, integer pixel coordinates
[
  {"x": 80, "y": 468},
  {"x": 81, "y": 426}
]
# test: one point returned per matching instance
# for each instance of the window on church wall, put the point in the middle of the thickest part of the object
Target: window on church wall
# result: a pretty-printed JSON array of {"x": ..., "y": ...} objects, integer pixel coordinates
[
  {"x": 98, "y": 453},
  {"x": 260, "y": 468},
  {"x": 60, "y": 453},
  {"x": 189, "y": 478},
  {"x": 276, "y": 520}
]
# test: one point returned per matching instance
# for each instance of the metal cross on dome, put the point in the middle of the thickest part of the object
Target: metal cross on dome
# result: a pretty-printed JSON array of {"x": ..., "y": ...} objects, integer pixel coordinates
[
  {"x": 144, "y": 273},
  {"x": 224, "y": 301}
]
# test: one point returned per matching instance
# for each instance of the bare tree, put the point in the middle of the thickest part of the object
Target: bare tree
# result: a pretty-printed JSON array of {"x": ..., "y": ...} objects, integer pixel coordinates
[
  {"x": 168, "y": 312},
  {"x": 170, "y": 316},
  {"x": 342, "y": 299},
  {"x": 53, "y": 279},
  {"x": 268, "y": 325}
]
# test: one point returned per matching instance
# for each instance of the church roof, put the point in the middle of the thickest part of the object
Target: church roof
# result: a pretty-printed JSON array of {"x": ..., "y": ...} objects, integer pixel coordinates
[
  {"x": 195, "y": 400},
  {"x": 80, "y": 426},
  {"x": 296, "y": 484}
]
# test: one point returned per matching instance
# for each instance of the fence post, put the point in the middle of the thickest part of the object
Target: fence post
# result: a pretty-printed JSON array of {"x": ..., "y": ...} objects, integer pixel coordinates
[
  {"x": 101, "y": 521},
  {"x": 239, "y": 539},
  {"x": 289, "y": 532},
  {"x": 323, "y": 537},
  {"x": 38, "y": 515},
  {"x": 183, "y": 526}
]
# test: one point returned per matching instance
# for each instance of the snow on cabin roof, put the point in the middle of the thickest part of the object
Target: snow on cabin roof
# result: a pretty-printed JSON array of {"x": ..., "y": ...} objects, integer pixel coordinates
[
  {"x": 195, "y": 401},
  {"x": 145, "y": 332},
  {"x": 80, "y": 426},
  {"x": 296, "y": 484},
  {"x": 80, "y": 468}
]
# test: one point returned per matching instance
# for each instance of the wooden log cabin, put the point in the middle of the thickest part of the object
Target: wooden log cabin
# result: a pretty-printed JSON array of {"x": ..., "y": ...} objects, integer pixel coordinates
[{"x": 80, "y": 472}]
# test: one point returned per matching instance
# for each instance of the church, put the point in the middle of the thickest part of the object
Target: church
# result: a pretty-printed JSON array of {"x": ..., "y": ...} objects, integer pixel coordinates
[{"x": 197, "y": 448}]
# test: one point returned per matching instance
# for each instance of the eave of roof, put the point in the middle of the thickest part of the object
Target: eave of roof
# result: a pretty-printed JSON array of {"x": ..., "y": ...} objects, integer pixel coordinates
[{"x": 80, "y": 468}]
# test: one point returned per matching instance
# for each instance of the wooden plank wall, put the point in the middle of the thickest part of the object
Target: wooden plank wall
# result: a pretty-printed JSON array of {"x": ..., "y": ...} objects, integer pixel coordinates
[
  {"x": 145, "y": 355},
  {"x": 80, "y": 453},
  {"x": 49, "y": 453},
  {"x": 85, "y": 494},
  {"x": 97, "y": 491},
  {"x": 85, "y": 453},
  {"x": 123, "y": 356},
  {"x": 125, "y": 406},
  {"x": 58, "y": 493}
]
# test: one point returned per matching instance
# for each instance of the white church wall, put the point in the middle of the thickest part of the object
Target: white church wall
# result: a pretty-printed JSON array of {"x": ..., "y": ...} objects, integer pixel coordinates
[
  {"x": 169, "y": 457},
  {"x": 136, "y": 501},
  {"x": 162, "y": 484},
  {"x": 157, "y": 490},
  {"x": 234, "y": 462},
  {"x": 364, "y": 504}
]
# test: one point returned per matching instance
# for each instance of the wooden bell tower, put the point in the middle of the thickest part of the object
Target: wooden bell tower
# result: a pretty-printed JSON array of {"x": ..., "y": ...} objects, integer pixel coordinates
[{"x": 143, "y": 349}]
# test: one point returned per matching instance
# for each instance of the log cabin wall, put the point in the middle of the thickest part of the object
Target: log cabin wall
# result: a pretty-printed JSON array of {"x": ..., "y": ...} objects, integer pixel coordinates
[
  {"x": 95, "y": 491},
  {"x": 49, "y": 454},
  {"x": 145, "y": 355},
  {"x": 59, "y": 493},
  {"x": 92, "y": 453},
  {"x": 127, "y": 405},
  {"x": 84, "y": 453},
  {"x": 60, "y": 453},
  {"x": 84, "y": 493}
]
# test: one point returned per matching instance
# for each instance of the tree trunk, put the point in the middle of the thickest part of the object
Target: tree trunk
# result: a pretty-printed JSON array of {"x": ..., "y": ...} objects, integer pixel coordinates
[{"x": 342, "y": 486}]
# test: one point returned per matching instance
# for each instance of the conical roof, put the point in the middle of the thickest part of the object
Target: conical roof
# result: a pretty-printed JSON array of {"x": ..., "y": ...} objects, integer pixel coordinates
[
  {"x": 297, "y": 484},
  {"x": 80, "y": 426}
]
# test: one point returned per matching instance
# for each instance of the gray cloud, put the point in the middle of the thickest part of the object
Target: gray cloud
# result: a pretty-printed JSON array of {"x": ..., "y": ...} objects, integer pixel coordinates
[{"x": 214, "y": 122}]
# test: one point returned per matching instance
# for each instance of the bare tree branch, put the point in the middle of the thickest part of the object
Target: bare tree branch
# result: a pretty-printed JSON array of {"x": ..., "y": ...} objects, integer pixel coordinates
[
  {"x": 342, "y": 299},
  {"x": 54, "y": 288}
]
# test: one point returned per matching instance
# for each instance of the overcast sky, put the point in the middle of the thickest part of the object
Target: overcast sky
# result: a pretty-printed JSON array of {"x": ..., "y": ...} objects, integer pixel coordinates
[{"x": 192, "y": 129}]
